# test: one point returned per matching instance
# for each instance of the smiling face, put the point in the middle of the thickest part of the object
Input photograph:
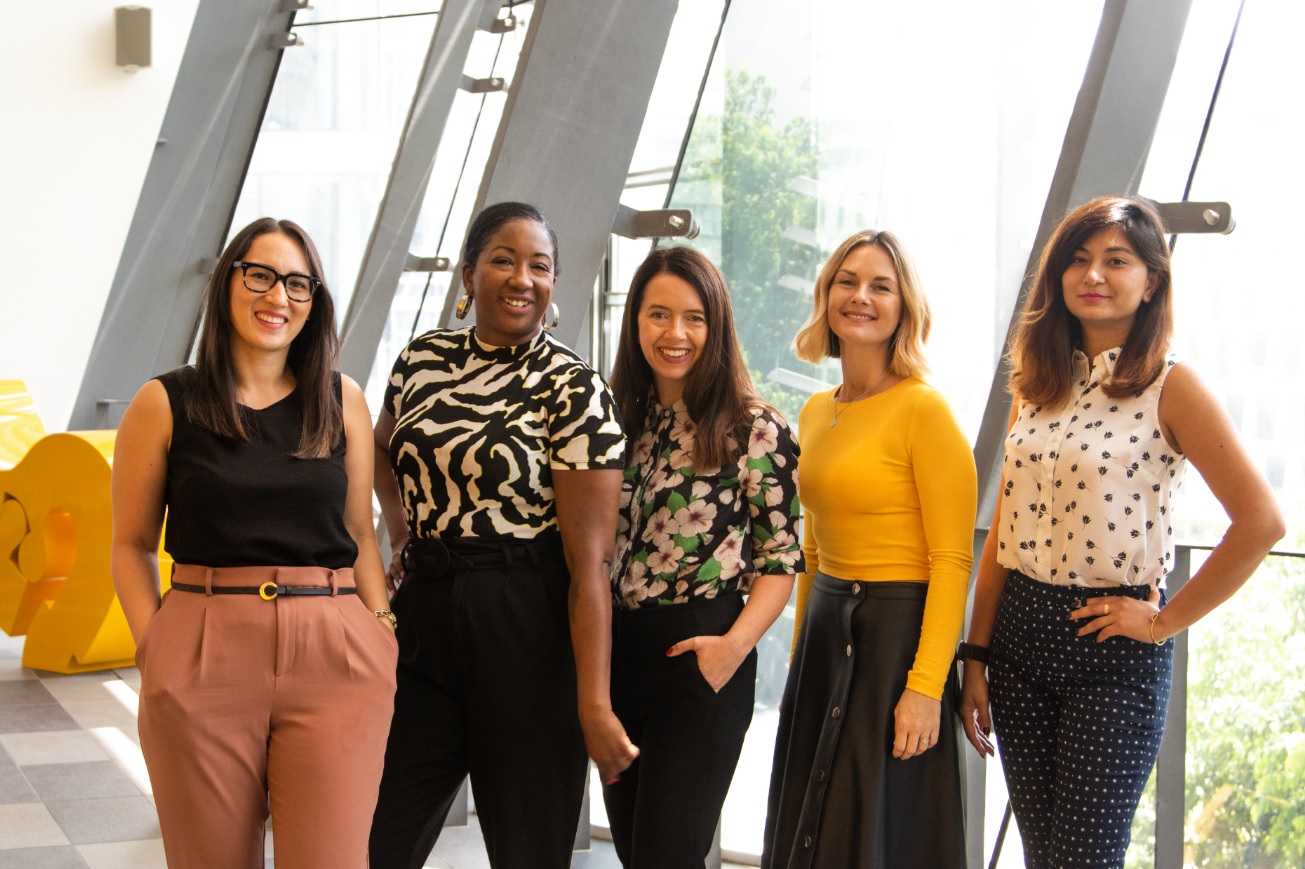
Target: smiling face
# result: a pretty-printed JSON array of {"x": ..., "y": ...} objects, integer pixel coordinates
[
  {"x": 268, "y": 321},
  {"x": 865, "y": 300},
  {"x": 1104, "y": 284},
  {"x": 672, "y": 333},
  {"x": 511, "y": 283}
]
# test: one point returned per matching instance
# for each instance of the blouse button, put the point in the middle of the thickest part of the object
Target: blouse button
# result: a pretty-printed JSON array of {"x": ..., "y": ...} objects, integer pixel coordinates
[
  {"x": 820, "y": 775},
  {"x": 849, "y": 650},
  {"x": 806, "y": 841},
  {"x": 838, "y": 713}
]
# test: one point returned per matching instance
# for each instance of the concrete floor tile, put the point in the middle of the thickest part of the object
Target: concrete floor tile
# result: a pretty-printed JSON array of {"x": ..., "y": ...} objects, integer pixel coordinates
[
  {"x": 102, "y": 713},
  {"x": 24, "y": 691},
  {"x": 79, "y": 781},
  {"x": 12, "y": 670},
  {"x": 29, "y": 825},
  {"x": 140, "y": 854},
  {"x": 67, "y": 746},
  {"x": 110, "y": 819},
  {"x": 28, "y": 717},
  {"x": 14, "y": 787},
  {"x": 131, "y": 676},
  {"x": 58, "y": 857},
  {"x": 80, "y": 686}
]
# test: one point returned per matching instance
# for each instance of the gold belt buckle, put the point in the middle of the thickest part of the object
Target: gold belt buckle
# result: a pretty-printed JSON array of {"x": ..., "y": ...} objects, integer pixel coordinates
[{"x": 267, "y": 591}]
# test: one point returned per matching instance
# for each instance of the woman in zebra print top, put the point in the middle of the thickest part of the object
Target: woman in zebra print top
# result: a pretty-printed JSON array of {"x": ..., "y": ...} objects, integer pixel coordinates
[{"x": 499, "y": 460}]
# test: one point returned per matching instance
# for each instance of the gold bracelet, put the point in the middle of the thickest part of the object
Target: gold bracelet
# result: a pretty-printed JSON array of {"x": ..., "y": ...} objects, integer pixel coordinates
[
  {"x": 388, "y": 616},
  {"x": 1155, "y": 616}
]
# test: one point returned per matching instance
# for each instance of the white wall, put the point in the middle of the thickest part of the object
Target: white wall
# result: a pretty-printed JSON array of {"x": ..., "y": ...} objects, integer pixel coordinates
[{"x": 76, "y": 137}]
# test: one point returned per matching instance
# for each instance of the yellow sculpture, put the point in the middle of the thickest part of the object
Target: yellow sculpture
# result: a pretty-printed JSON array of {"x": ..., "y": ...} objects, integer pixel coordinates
[{"x": 56, "y": 525}]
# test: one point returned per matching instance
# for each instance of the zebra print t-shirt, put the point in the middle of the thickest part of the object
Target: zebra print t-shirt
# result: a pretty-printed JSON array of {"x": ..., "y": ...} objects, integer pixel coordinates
[{"x": 480, "y": 428}]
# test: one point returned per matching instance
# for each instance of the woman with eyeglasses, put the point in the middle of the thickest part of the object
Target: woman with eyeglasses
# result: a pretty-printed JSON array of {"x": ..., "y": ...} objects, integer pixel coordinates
[
  {"x": 267, "y": 671},
  {"x": 498, "y": 468},
  {"x": 1070, "y": 636}
]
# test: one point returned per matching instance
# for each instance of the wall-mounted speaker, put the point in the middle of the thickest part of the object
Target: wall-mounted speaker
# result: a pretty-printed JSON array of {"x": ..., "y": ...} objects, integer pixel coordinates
[{"x": 131, "y": 26}]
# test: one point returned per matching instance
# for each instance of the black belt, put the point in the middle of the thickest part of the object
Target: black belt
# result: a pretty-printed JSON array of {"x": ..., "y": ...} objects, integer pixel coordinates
[
  {"x": 436, "y": 556},
  {"x": 267, "y": 591}
]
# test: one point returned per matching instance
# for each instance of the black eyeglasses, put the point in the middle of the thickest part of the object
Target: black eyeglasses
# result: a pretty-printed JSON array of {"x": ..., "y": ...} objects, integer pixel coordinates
[{"x": 261, "y": 278}]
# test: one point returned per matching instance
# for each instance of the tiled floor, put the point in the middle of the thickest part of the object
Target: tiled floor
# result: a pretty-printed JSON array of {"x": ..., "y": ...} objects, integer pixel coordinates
[{"x": 74, "y": 793}]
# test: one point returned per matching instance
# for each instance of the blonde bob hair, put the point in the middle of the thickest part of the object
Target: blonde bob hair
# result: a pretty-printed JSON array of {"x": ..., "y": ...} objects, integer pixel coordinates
[{"x": 816, "y": 341}]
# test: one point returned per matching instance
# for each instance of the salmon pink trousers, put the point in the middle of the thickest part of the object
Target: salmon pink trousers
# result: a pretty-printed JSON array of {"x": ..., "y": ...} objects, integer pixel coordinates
[{"x": 251, "y": 702}]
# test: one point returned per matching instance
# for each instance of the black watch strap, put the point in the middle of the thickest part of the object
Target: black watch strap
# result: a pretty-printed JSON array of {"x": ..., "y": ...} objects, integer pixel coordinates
[{"x": 971, "y": 652}]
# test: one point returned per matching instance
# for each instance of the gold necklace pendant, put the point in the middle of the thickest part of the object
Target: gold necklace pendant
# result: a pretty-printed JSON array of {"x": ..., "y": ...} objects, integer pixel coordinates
[{"x": 834, "y": 421}]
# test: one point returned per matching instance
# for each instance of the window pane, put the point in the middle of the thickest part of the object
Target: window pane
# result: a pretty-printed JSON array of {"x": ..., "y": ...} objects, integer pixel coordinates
[
  {"x": 450, "y": 195},
  {"x": 330, "y": 132},
  {"x": 1238, "y": 318},
  {"x": 1245, "y": 796}
]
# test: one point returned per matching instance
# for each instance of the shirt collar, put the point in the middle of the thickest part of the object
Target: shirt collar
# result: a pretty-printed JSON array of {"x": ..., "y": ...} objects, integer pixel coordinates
[{"x": 1105, "y": 359}]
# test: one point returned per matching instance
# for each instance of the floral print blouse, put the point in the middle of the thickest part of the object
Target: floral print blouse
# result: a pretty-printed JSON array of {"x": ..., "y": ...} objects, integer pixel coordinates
[{"x": 686, "y": 533}]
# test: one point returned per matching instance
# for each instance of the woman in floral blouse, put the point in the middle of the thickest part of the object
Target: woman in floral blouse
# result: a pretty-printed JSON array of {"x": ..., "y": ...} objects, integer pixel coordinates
[{"x": 708, "y": 514}]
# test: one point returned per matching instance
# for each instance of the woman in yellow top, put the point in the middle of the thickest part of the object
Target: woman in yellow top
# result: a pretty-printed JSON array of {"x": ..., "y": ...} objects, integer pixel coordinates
[{"x": 867, "y": 742}]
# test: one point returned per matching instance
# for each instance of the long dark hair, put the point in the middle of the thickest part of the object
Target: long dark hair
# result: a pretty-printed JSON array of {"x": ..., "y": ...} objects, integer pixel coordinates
[
  {"x": 211, "y": 403},
  {"x": 1042, "y": 352},
  {"x": 718, "y": 393}
]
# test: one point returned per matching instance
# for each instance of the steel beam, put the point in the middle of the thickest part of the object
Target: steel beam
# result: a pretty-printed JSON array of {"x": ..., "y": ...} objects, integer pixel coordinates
[
  {"x": 1171, "y": 766},
  {"x": 573, "y": 115},
  {"x": 184, "y": 212},
  {"x": 396, "y": 219}
]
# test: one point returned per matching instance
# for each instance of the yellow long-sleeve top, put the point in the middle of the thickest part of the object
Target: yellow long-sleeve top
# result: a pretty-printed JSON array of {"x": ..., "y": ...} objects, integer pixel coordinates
[{"x": 889, "y": 494}]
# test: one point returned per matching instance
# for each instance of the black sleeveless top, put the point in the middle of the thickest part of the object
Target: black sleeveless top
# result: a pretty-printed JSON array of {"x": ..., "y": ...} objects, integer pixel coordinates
[{"x": 234, "y": 504}]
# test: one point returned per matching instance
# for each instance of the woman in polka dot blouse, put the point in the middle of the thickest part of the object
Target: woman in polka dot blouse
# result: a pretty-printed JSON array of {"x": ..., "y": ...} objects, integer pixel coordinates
[{"x": 1067, "y": 611}]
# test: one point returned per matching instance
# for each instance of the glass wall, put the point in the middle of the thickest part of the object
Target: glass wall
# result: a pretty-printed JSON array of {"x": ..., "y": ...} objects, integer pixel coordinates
[
  {"x": 421, "y": 297},
  {"x": 1245, "y": 788},
  {"x": 1239, "y": 313},
  {"x": 332, "y": 126},
  {"x": 941, "y": 121},
  {"x": 1238, "y": 310}
]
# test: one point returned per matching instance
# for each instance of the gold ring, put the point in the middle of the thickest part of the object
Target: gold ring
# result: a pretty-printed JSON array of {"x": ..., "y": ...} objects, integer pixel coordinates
[{"x": 1107, "y": 612}]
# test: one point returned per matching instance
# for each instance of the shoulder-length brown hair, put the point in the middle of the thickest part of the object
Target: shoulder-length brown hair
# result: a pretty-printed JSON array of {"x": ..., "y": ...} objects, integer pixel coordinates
[
  {"x": 719, "y": 393},
  {"x": 1042, "y": 351},
  {"x": 211, "y": 400},
  {"x": 816, "y": 341}
]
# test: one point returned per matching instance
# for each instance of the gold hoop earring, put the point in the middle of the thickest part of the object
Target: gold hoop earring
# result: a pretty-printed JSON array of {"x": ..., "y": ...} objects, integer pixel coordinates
[
  {"x": 464, "y": 306},
  {"x": 556, "y": 316}
]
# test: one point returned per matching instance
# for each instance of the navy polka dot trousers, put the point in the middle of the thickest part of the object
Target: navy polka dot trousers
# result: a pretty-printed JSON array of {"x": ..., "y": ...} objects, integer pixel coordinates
[{"x": 1078, "y": 722}]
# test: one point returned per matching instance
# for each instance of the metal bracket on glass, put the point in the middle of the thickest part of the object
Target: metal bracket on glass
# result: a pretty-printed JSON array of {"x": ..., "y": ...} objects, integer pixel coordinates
[
  {"x": 1198, "y": 217},
  {"x": 294, "y": 6},
  {"x": 504, "y": 25},
  {"x": 415, "y": 263},
  {"x": 481, "y": 85},
  {"x": 278, "y": 41},
  {"x": 109, "y": 411},
  {"x": 658, "y": 223}
]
